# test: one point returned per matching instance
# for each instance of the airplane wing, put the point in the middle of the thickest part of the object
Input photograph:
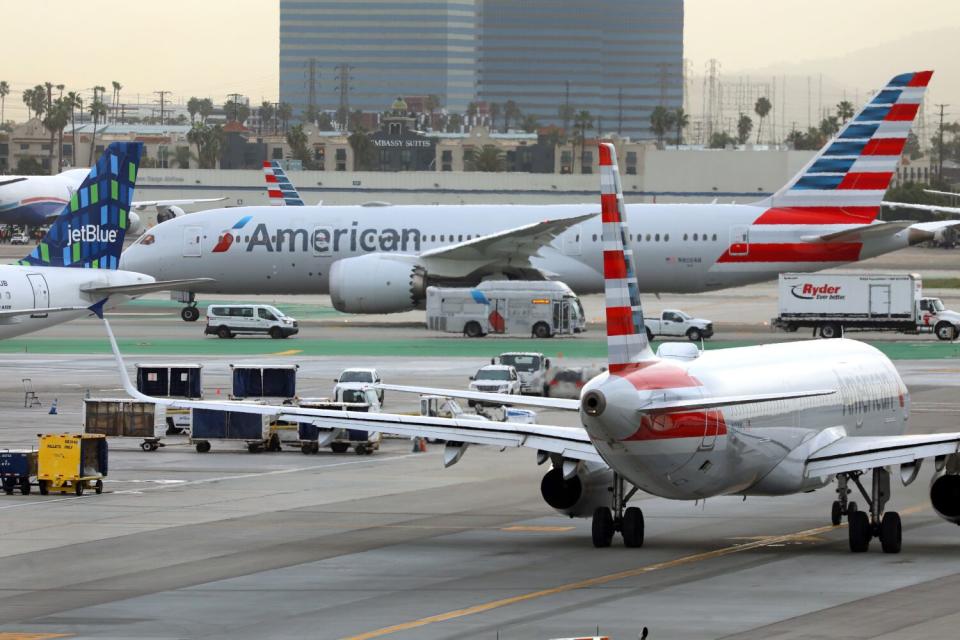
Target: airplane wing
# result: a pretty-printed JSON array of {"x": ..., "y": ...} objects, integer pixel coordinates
[
  {"x": 143, "y": 204},
  {"x": 942, "y": 193},
  {"x": 13, "y": 313},
  {"x": 570, "y": 442},
  {"x": 882, "y": 229},
  {"x": 4, "y": 183},
  {"x": 933, "y": 208},
  {"x": 497, "y": 398},
  {"x": 855, "y": 453},
  {"x": 147, "y": 287},
  {"x": 517, "y": 243}
]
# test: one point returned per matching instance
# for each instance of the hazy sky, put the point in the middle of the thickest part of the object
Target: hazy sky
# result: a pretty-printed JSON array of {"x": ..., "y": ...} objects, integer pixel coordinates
[{"x": 215, "y": 47}]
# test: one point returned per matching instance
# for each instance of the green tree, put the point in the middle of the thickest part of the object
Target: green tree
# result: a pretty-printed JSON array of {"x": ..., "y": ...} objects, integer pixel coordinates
[
  {"x": 565, "y": 113},
  {"x": 55, "y": 121},
  {"x": 364, "y": 152},
  {"x": 844, "y": 111},
  {"x": 29, "y": 166},
  {"x": 297, "y": 139},
  {"x": 431, "y": 103},
  {"x": 267, "y": 113},
  {"x": 193, "y": 108},
  {"x": 209, "y": 141},
  {"x": 829, "y": 127},
  {"x": 205, "y": 109},
  {"x": 472, "y": 109},
  {"x": 116, "y": 99},
  {"x": 236, "y": 110},
  {"x": 325, "y": 122},
  {"x": 489, "y": 158},
  {"x": 4, "y": 92},
  {"x": 912, "y": 147},
  {"x": 744, "y": 127},
  {"x": 720, "y": 140},
  {"x": 75, "y": 103},
  {"x": 454, "y": 123},
  {"x": 762, "y": 108},
  {"x": 182, "y": 156},
  {"x": 529, "y": 123}
]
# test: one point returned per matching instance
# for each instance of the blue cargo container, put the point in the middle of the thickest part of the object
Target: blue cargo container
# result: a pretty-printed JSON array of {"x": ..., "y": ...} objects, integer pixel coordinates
[
  {"x": 254, "y": 381},
  {"x": 214, "y": 424},
  {"x": 16, "y": 469}
]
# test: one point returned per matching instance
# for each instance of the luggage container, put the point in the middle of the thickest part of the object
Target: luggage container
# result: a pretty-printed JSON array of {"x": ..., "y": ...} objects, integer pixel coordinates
[
  {"x": 312, "y": 437},
  {"x": 264, "y": 381},
  {"x": 172, "y": 381},
  {"x": 122, "y": 418},
  {"x": 253, "y": 429},
  {"x": 16, "y": 469},
  {"x": 72, "y": 461}
]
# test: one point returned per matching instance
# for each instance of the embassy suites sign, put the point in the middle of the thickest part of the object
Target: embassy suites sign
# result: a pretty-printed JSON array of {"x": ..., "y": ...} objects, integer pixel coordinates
[{"x": 402, "y": 143}]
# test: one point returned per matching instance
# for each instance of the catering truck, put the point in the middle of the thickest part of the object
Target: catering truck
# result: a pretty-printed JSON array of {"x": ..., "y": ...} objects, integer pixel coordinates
[
  {"x": 832, "y": 303},
  {"x": 538, "y": 308}
]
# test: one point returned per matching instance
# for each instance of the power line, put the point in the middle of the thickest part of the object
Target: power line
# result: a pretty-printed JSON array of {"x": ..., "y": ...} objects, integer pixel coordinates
[
  {"x": 163, "y": 95},
  {"x": 940, "y": 144}
]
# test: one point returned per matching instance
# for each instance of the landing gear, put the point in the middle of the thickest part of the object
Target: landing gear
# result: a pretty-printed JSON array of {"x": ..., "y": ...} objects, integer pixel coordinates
[
  {"x": 864, "y": 526},
  {"x": 841, "y": 506},
  {"x": 191, "y": 313},
  {"x": 607, "y": 521}
]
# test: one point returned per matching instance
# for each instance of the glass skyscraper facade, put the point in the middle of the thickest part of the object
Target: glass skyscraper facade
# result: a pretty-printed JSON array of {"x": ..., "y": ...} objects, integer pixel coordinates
[
  {"x": 376, "y": 50},
  {"x": 617, "y": 59}
]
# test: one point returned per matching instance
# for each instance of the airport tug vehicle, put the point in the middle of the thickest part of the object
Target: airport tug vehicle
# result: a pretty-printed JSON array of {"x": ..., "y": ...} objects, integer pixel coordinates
[
  {"x": 72, "y": 462},
  {"x": 16, "y": 469}
]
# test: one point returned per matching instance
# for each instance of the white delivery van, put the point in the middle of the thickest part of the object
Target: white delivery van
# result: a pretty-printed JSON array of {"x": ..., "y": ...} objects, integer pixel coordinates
[{"x": 229, "y": 320}]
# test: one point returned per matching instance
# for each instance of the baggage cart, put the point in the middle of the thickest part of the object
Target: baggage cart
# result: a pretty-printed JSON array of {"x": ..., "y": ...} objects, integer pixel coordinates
[
  {"x": 16, "y": 469},
  {"x": 172, "y": 381},
  {"x": 72, "y": 462},
  {"x": 264, "y": 381},
  {"x": 312, "y": 437},
  {"x": 122, "y": 418},
  {"x": 210, "y": 425}
]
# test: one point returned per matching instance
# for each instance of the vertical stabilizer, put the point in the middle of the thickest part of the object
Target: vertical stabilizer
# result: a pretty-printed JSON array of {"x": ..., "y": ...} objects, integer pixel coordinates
[
  {"x": 851, "y": 173},
  {"x": 89, "y": 232},
  {"x": 279, "y": 188},
  {"x": 626, "y": 335}
]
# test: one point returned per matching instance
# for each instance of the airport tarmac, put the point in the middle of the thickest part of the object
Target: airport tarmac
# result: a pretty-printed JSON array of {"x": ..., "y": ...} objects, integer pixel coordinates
[{"x": 281, "y": 545}]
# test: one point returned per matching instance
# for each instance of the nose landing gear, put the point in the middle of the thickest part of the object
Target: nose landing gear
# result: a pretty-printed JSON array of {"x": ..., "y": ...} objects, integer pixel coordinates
[
  {"x": 863, "y": 526},
  {"x": 628, "y": 521}
]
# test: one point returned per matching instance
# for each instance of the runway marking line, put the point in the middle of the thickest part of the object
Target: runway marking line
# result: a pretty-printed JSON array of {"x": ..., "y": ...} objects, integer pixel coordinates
[
  {"x": 536, "y": 529},
  {"x": 14, "y": 635},
  {"x": 288, "y": 352},
  {"x": 809, "y": 535}
]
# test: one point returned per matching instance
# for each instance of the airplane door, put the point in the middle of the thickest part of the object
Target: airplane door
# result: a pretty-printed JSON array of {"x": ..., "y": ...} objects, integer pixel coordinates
[
  {"x": 880, "y": 300},
  {"x": 739, "y": 240},
  {"x": 192, "y": 241},
  {"x": 41, "y": 293},
  {"x": 571, "y": 241}
]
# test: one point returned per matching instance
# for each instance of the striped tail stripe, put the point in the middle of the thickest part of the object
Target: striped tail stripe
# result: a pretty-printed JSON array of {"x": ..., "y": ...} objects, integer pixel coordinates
[
  {"x": 279, "y": 188},
  {"x": 626, "y": 335}
]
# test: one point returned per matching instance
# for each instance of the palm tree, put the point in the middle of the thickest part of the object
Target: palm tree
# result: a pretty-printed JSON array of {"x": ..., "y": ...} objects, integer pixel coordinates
[
  {"x": 284, "y": 113},
  {"x": 511, "y": 111},
  {"x": 49, "y": 122},
  {"x": 581, "y": 122},
  {"x": 494, "y": 110},
  {"x": 205, "y": 110},
  {"x": 74, "y": 102},
  {"x": 97, "y": 110},
  {"x": 762, "y": 108},
  {"x": 266, "y": 114},
  {"x": 4, "y": 92},
  {"x": 193, "y": 108},
  {"x": 490, "y": 158},
  {"x": 58, "y": 115},
  {"x": 472, "y": 110},
  {"x": 116, "y": 98},
  {"x": 660, "y": 124},
  {"x": 182, "y": 157},
  {"x": 844, "y": 111},
  {"x": 681, "y": 121}
]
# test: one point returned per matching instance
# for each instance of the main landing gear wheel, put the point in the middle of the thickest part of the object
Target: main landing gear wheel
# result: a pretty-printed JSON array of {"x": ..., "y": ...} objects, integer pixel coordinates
[
  {"x": 836, "y": 513},
  {"x": 190, "y": 314},
  {"x": 602, "y": 527},
  {"x": 632, "y": 527},
  {"x": 864, "y": 526}
]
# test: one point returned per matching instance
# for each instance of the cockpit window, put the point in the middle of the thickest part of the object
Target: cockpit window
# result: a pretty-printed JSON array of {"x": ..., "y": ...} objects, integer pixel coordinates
[{"x": 146, "y": 239}]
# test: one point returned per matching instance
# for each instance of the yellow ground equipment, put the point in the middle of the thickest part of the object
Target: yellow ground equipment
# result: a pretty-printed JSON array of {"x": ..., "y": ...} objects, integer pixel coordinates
[{"x": 72, "y": 461}]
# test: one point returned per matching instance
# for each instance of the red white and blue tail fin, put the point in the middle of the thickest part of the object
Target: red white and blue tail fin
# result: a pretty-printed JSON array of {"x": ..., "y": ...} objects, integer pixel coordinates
[
  {"x": 626, "y": 334},
  {"x": 279, "y": 188},
  {"x": 852, "y": 172}
]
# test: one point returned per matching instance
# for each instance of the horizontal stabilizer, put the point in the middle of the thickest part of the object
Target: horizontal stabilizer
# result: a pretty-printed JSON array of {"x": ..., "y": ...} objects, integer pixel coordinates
[
  {"x": 146, "y": 287},
  {"x": 856, "y": 453},
  {"x": 140, "y": 205},
  {"x": 933, "y": 208},
  {"x": 728, "y": 401},
  {"x": 864, "y": 232}
]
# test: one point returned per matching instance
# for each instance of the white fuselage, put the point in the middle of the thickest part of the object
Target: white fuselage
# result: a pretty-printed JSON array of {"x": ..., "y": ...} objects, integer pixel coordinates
[
  {"x": 680, "y": 248},
  {"x": 54, "y": 288},
  {"x": 750, "y": 449}
]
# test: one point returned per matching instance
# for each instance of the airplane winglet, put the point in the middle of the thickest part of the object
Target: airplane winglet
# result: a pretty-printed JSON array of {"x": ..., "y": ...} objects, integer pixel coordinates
[
  {"x": 97, "y": 308},
  {"x": 124, "y": 377}
]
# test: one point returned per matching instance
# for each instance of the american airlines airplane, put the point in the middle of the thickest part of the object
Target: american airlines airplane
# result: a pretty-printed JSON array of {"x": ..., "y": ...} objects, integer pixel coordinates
[
  {"x": 73, "y": 271},
  {"x": 381, "y": 259},
  {"x": 34, "y": 201},
  {"x": 771, "y": 420}
]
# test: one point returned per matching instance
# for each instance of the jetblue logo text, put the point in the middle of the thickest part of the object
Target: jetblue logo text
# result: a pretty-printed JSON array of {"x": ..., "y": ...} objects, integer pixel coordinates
[{"x": 91, "y": 233}]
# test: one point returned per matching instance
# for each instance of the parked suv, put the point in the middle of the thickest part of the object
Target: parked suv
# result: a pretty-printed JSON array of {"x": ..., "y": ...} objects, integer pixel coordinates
[
  {"x": 227, "y": 321},
  {"x": 355, "y": 379},
  {"x": 495, "y": 378}
]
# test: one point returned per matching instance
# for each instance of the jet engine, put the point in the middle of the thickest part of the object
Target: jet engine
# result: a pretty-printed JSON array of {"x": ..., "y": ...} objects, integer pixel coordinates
[
  {"x": 377, "y": 283},
  {"x": 945, "y": 497},
  {"x": 168, "y": 213},
  {"x": 579, "y": 495},
  {"x": 134, "y": 227}
]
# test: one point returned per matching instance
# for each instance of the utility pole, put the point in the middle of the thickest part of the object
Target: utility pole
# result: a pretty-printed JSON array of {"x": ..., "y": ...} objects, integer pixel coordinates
[
  {"x": 343, "y": 75},
  {"x": 566, "y": 107},
  {"x": 163, "y": 96},
  {"x": 619, "y": 111},
  {"x": 940, "y": 144},
  {"x": 312, "y": 84},
  {"x": 235, "y": 99}
]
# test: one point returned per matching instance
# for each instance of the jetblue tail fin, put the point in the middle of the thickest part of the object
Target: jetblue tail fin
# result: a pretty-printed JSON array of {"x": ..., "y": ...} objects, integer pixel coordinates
[
  {"x": 626, "y": 334},
  {"x": 852, "y": 171},
  {"x": 89, "y": 232},
  {"x": 279, "y": 188}
]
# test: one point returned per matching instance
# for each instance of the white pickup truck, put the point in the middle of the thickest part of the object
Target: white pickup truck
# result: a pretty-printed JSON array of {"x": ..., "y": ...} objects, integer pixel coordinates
[
  {"x": 673, "y": 323},
  {"x": 531, "y": 367}
]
